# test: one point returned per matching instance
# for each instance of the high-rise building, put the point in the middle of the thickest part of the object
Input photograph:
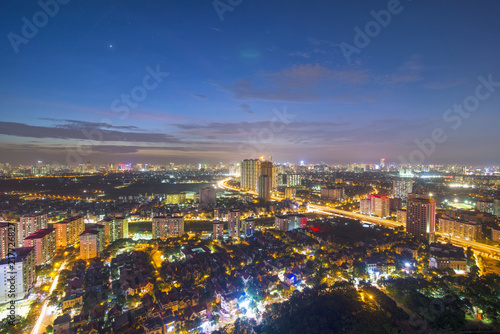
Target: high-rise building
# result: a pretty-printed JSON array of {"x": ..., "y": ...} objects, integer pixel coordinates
[
  {"x": 497, "y": 207},
  {"x": 218, "y": 230},
  {"x": 377, "y": 205},
  {"x": 68, "y": 231},
  {"x": 208, "y": 197},
  {"x": 105, "y": 222},
  {"x": 250, "y": 172},
  {"x": 401, "y": 188},
  {"x": 289, "y": 222},
  {"x": 290, "y": 180},
  {"x": 421, "y": 217},
  {"x": 92, "y": 242},
  {"x": 365, "y": 206},
  {"x": 276, "y": 174},
  {"x": 336, "y": 194},
  {"x": 8, "y": 238},
  {"x": 382, "y": 163},
  {"x": 248, "y": 227},
  {"x": 266, "y": 168},
  {"x": 234, "y": 223},
  {"x": 17, "y": 274},
  {"x": 168, "y": 227},
  {"x": 381, "y": 205},
  {"x": 44, "y": 244},
  {"x": 486, "y": 206},
  {"x": 118, "y": 228},
  {"x": 179, "y": 198},
  {"x": 290, "y": 192},
  {"x": 457, "y": 228},
  {"x": 265, "y": 183},
  {"x": 32, "y": 223}
]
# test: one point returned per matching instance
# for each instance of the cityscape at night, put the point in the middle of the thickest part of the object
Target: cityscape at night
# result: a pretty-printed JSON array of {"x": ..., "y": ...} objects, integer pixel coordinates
[{"x": 253, "y": 167}]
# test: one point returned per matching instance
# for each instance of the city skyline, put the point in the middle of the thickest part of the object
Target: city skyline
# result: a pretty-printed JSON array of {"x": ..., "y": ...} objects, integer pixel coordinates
[{"x": 226, "y": 81}]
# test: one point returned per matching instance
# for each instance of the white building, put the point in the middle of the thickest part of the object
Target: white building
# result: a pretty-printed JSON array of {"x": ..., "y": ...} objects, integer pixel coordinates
[{"x": 17, "y": 274}]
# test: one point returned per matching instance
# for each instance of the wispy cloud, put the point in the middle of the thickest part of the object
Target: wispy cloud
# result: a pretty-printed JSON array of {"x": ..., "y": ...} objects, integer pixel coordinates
[
  {"x": 445, "y": 84},
  {"x": 83, "y": 131},
  {"x": 246, "y": 108},
  {"x": 299, "y": 83},
  {"x": 410, "y": 71}
]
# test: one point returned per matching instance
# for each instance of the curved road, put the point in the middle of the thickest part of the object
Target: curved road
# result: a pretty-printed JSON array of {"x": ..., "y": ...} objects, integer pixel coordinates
[{"x": 477, "y": 246}]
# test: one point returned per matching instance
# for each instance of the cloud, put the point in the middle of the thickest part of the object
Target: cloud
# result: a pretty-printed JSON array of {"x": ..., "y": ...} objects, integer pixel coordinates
[
  {"x": 143, "y": 115},
  {"x": 299, "y": 83},
  {"x": 84, "y": 131},
  {"x": 322, "y": 134},
  {"x": 81, "y": 125},
  {"x": 300, "y": 54},
  {"x": 246, "y": 108},
  {"x": 445, "y": 84},
  {"x": 410, "y": 71},
  {"x": 199, "y": 96}
]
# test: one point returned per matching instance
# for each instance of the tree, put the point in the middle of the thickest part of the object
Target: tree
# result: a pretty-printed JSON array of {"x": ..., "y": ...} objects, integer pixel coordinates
[{"x": 49, "y": 329}]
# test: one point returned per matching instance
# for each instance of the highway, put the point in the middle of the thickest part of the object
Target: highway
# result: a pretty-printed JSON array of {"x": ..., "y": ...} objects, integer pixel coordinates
[
  {"x": 43, "y": 313},
  {"x": 493, "y": 251}
]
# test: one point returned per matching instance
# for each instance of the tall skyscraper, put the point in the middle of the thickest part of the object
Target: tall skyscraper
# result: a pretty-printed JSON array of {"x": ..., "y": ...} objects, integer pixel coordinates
[
  {"x": 421, "y": 217},
  {"x": 250, "y": 172},
  {"x": 265, "y": 183},
  {"x": 401, "y": 188},
  {"x": 234, "y": 223}
]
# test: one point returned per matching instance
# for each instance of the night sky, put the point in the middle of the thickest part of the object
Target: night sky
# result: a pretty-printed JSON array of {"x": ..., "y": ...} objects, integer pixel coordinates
[{"x": 181, "y": 81}]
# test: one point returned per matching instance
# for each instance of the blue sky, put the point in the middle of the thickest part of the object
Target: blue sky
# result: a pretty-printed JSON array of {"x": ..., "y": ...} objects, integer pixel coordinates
[{"x": 229, "y": 79}]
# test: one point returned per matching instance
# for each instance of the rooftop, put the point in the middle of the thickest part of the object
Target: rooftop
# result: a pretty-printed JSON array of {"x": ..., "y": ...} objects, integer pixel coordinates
[{"x": 40, "y": 233}]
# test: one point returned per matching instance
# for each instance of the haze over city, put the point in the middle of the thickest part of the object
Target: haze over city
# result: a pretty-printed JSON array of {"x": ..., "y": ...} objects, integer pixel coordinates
[{"x": 203, "y": 81}]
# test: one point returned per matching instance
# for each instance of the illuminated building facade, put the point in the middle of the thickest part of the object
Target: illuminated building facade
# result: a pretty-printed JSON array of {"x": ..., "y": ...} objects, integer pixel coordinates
[
  {"x": 168, "y": 227},
  {"x": 32, "y": 223},
  {"x": 234, "y": 223},
  {"x": 401, "y": 188},
  {"x": 19, "y": 268},
  {"x": 92, "y": 242},
  {"x": 217, "y": 230},
  {"x": 457, "y": 228},
  {"x": 43, "y": 243},
  {"x": 68, "y": 231},
  {"x": 179, "y": 198},
  {"x": 250, "y": 172},
  {"x": 421, "y": 217}
]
